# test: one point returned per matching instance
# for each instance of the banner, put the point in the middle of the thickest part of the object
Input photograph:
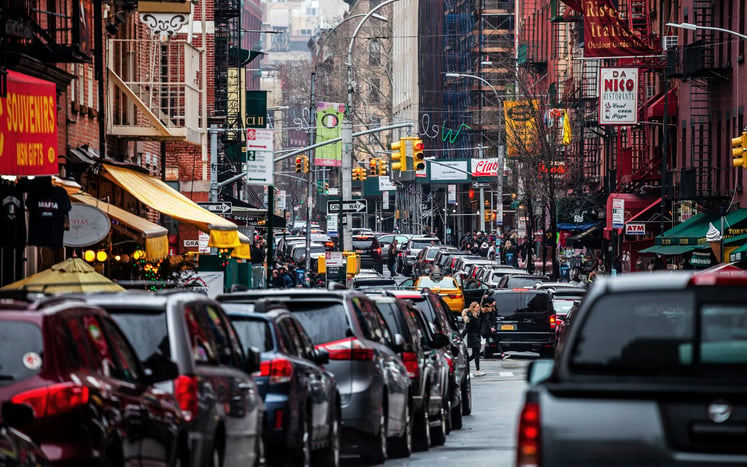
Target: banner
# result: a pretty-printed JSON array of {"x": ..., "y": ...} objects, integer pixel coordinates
[
  {"x": 449, "y": 171},
  {"x": 618, "y": 96},
  {"x": 607, "y": 35},
  {"x": 28, "y": 127},
  {"x": 521, "y": 126},
  {"x": 329, "y": 126},
  {"x": 451, "y": 198}
]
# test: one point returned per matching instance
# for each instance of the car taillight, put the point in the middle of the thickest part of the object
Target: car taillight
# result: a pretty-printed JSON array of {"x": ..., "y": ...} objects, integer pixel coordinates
[
  {"x": 410, "y": 359},
  {"x": 378, "y": 250},
  {"x": 347, "y": 349},
  {"x": 186, "y": 395},
  {"x": 455, "y": 295},
  {"x": 528, "y": 448},
  {"x": 54, "y": 399},
  {"x": 329, "y": 244},
  {"x": 450, "y": 361},
  {"x": 553, "y": 322},
  {"x": 279, "y": 370}
]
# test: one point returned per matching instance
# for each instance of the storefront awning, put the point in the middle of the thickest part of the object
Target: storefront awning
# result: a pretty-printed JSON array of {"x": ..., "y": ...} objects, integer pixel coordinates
[
  {"x": 155, "y": 236},
  {"x": 244, "y": 250},
  {"x": 656, "y": 108},
  {"x": 693, "y": 231},
  {"x": 159, "y": 196},
  {"x": 670, "y": 250},
  {"x": 588, "y": 233},
  {"x": 644, "y": 210}
]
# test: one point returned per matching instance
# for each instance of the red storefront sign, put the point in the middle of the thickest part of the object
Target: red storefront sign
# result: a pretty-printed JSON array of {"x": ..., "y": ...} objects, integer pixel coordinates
[
  {"x": 28, "y": 127},
  {"x": 485, "y": 167},
  {"x": 606, "y": 34}
]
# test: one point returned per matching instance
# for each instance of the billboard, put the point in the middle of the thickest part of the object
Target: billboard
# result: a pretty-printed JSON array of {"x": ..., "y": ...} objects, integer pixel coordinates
[{"x": 329, "y": 126}]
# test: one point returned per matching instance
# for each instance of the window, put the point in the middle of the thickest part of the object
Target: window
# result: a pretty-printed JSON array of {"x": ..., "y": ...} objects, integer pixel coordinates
[
  {"x": 286, "y": 339},
  {"x": 203, "y": 350},
  {"x": 220, "y": 336},
  {"x": 17, "y": 341},
  {"x": 306, "y": 345},
  {"x": 374, "y": 52},
  {"x": 375, "y": 90},
  {"x": 290, "y": 329},
  {"x": 127, "y": 364},
  {"x": 103, "y": 359},
  {"x": 323, "y": 321},
  {"x": 254, "y": 333},
  {"x": 145, "y": 329}
]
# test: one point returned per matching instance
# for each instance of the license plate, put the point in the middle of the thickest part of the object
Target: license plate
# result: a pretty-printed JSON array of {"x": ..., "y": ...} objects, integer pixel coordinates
[{"x": 508, "y": 327}]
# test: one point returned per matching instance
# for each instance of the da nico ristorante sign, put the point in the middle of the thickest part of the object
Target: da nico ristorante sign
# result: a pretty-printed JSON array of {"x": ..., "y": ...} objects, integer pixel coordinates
[{"x": 28, "y": 127}]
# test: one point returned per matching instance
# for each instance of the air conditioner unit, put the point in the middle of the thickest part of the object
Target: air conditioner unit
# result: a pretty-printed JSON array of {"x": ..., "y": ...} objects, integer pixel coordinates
[{"x": 667, "y": 42}]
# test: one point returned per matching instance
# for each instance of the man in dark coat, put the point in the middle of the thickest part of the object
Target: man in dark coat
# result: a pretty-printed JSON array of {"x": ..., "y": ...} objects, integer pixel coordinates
[{"x": 473, "y": 324}]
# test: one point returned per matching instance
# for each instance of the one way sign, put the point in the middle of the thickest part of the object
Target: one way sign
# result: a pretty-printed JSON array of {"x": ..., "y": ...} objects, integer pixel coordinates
[
  {"x": 218, "y": 208},
  {"x": 352, "y": 206}
]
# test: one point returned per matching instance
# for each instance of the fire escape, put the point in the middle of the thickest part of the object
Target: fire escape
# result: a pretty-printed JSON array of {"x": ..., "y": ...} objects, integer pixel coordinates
[{"x": 459, "y": 40}]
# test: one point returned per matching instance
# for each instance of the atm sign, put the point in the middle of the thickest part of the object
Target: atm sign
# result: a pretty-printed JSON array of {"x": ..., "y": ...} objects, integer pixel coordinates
[{"x": 635, "y": 229}]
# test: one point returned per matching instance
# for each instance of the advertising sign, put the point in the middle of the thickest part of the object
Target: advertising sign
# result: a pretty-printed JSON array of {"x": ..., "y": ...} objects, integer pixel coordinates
[
  {"x": 385, "y": 200},
  {"x": 618, "y": 213},
  {"x": 260, "y": 161},
  {"x": 521, "y": 126},
  {"x": 635, "y": 229},
  {"x": 88, "y": 226},
  {"x": 28, "y": 127},
  {"x": 451, "y": 171},
  {"x": 451, "y": 198},
  {"x": 618, "y": 96},
  {"x": 485, "y": 167},
  {"x": 329, "y": 126},
  {"x": 385, "y": 184},
  {"x": 606, "y": 34}
]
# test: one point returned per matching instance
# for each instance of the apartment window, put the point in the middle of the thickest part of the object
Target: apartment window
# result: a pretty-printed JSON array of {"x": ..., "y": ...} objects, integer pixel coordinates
[
  {"x": 374, "y": 52},
  {"x": 375, "y": 90}
]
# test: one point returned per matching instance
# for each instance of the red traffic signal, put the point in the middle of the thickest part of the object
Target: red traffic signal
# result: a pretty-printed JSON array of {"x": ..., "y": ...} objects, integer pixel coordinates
[{"x": 471, "y": 193}]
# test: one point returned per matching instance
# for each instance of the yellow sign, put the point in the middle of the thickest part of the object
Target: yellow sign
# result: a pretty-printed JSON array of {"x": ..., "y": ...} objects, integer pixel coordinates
[{"x": 521, "y": 126}]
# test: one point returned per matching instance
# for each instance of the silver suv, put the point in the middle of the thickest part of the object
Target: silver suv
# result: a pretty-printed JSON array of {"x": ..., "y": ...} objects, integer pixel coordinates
[{"x": 219, "y": 399}]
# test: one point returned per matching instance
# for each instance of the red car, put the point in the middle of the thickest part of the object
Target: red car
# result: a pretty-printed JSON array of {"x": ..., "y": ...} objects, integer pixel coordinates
[{"x": 94, "y": 402}]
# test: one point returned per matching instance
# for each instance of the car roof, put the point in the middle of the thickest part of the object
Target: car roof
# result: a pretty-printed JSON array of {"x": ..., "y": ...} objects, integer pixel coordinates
[
  {"x": 282, "y": 294},
  {"x": 145, "y": 299}
]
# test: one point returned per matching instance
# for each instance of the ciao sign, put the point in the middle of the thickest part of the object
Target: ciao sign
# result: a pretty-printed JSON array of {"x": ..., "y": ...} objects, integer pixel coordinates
[
  {"x": 556, "y": 168},
  {"x": 485, "y": 167}
]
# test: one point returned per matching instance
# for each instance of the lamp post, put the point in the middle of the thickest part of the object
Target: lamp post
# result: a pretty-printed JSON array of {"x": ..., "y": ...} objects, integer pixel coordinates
[
  {"x": 346, "y": 182},
  {"x": 695, "y": 27},
  {"x": 499, "y": 181}
]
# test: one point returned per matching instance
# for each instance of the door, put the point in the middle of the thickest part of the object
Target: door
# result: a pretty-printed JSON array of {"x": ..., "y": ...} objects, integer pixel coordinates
[{"x": 473, "y": 291}]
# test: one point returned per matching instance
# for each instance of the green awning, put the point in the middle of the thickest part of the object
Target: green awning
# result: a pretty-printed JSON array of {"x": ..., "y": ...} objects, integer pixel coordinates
[
  {"x": 740, "y": 254},
  {"x": 736, "y": 240},
  {"x": 670, "y": 250},
  {"x": 689, "y": 232}
]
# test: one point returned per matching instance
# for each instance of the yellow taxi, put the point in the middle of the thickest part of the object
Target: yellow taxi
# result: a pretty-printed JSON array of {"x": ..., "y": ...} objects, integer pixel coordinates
[{"x": 446, "y": 287}]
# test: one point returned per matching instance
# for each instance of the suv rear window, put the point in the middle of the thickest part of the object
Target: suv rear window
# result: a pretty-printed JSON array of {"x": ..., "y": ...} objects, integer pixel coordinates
[
  {"x": 445, "y": 283},
  {"x": 323, "y": 321},
  {"x": 145, "y": 329},
  {"x": 364, "y": 243},
  {"x": 507, "y": 304},
  {"x": 19, "y": 341},
  {"x": 419, "y": 244}
]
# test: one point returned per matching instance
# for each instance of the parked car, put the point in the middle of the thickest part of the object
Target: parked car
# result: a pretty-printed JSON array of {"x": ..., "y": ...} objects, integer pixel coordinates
[
  {"x": 301, "y": 398},
  {"x": 446, "y": 257},
  {"x": 373, "y": 282},
  {"x": 410, "y": 251},
  {"x": 369, "y": 250},
  {"x": 427, "y": 368},
  {"x": 298, "y": 253},
  {"x": 442, "y": 321},
  {"x": 651, "y": 372},
  {"x": 213, "y": 387},
  {"x": 17, "y": 449},
  {"x": 93, "y": 401},
  {"x": 446, "y": 287},
  {"x": 525, "y": 321},
  {"x": 517, "y": 281},
  {"x": 385, "y": 240},
  {"x": 371, "y": 379}
]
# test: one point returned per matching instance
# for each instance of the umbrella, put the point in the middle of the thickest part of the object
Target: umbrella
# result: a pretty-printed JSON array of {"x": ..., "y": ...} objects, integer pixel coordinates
[{"x": 70, "y": 276}]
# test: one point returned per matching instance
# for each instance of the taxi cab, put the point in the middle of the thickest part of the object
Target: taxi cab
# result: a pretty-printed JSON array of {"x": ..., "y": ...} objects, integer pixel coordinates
[{"x": 447, "y": 287}]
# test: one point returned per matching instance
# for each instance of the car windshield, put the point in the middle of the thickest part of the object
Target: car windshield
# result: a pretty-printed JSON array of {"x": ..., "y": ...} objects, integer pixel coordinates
[
  {"x": 418, "y": 244},
  {"x": 445, "y": 283},
  {"x": 21, "y": 346},
  {"x": 299, "y": 252},
  {"x": 252, "y": 332},
  {"x": 431, "y": 253},
  {"x": 362, "y": 243},
  {"x": 507, "y": 304},
  {"x": 146, "y": 330},
  {"x": 324, "y": 321},
  {"x": 522, "y": 282}
]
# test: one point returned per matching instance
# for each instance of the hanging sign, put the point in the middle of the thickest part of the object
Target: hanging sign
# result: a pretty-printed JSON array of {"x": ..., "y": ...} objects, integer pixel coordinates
[
  {"x": 618, "y": 213},
  {"x": 260, "y": 162},
  {"x": 451, "y": 198},
  {"x": 618, "y": 96},
  {"x": 635, "y": 229}
]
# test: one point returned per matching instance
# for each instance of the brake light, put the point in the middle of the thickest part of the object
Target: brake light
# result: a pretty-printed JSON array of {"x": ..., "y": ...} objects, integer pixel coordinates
[
  {"x": 450, "y": 361},
  {"x": 329, "y": 244},
  {"x": 378, "y": 250},
  {"x": 347, "y": 349},
  {"x": 185, "y": 392},
  {"x": 410, "y": 360},
  {"x": 553, "y": 322},
  {"x": 278, "y": 419},
  {"x": 54, "y": 399},
  {"x": 279, "y": 370},
  {"x": 528, "y": 448},
  {"x": 455, "y": 295}
]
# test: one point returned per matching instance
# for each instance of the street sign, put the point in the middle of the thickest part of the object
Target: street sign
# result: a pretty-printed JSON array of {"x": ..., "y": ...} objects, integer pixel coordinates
[
  {"x": 218, "y": 208},
  {"x": 352, "y": 206}
]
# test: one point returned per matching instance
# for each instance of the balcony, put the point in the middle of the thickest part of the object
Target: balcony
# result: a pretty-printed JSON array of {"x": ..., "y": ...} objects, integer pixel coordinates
[{"x": 154, "y": 90}]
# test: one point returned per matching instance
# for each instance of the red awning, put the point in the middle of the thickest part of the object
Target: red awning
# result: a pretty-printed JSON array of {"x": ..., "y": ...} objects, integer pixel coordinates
[
  {"x": 634, "y": 204},
  {"x": 656, "y": 108},
  {"x": 655, "y": 203}
]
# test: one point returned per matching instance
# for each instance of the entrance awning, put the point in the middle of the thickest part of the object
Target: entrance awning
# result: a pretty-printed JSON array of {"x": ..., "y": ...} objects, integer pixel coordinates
[
  {"x": 244, "y": 250},
  {"x": 155, "y": 236},
  {"x": 671, "y": 250},
  {"x": 586, "y": 234},
  {"x": 644, "y": 210},
  {"x": 159, "y": 196},
  {"x": 656, "y": 109},
  {"x": 693, "y": 231}
]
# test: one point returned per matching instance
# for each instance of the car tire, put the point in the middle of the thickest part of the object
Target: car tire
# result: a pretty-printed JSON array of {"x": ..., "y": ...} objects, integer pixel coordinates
[
  {"x": 302, "y": 456},
  {"x": 456, "y": 413},
  {"x": 438, "y": 433},
  {"x": 466, "y": 396},
  {"x": 330, "y": 455},
  {"x": 401, "y": 446},
  {"x": 375, "y": 450},
  {"x": 422, "y": 431}
]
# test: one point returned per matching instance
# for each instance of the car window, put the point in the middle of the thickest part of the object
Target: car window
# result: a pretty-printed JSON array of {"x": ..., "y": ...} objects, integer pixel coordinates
[
  {"x": 21, "y": 351},
  {"x": 363, "y": 243},
  {"x": 507, "y": 304},
  {"x": 627, "y": 334},
  {"x": 127, "y": 364},
  {"x": 79, "y": 353},
  {"x": 253, "y": 333},
  {"x": 306, "y": 346},
  {"x": 724, "y": 336},
  {"x": 220, "y": 336},
  {"x": 445, "y": 283},
  {"x": 238, "y": 355},
  {"x": 522, "y": 282},
  {"x": 288, "y": 330},
  {"x": 323, "y": 321},
  {"x": 102, "y": 354},
  {"x": 432, "y": 253},
  {"x": 381, "y": 328},
  {"x": 394, "y": 320},
  {"x": 203, "y": 347},
  {"x": 145, "y": 329},
  {"x": 425, "y": 306},
  {"x": 386, "y": 239}
]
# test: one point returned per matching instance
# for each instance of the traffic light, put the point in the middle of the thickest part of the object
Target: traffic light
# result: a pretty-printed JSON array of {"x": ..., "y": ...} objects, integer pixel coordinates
[
  {"x": 399, "y": 161},
  {"x": 418, "y": 157},
  {"x": 739, "y": 150},
  {"x": 305, "y": 164},
  {"x": 373, "y": 168},
  {"x": 326, "y": 188},
  {"x": 361, "y": 173},
  {"x": 299, "y": 164},
  {"x": 383, "y": 168},
  {"x": 471, "y": 193}
]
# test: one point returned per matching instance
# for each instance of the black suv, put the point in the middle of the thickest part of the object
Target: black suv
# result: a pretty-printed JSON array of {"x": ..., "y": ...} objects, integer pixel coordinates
[
  {"x": 369, "y": 250},
  {"x": 524, "y": 320}
]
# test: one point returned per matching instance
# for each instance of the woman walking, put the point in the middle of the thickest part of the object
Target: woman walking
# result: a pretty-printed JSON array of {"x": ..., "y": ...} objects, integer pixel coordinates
[{"x": 473, "y": 332}]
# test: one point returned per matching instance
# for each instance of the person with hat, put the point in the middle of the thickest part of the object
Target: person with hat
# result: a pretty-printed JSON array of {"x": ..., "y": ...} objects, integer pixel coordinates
[{"x": 488, "y": 317}]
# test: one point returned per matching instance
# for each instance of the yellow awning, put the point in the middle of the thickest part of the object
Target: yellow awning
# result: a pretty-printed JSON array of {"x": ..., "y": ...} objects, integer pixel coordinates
[
  {"x": 159, "y": 196},
  {"x": 244, "y": 250},
  {"x": 156, "y": 236}
]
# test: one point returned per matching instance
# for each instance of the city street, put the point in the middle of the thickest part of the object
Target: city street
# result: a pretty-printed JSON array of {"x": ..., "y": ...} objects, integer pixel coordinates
[{"x": 489, "y": 434}]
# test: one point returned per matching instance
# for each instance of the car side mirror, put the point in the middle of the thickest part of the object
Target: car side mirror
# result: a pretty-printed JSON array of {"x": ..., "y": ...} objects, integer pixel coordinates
[
  {"x": 253, "y": 359},
  {"x": 319, "y": 356},
  {"x": 440, "y": 341},
  {"x": 540, "y": 370},
  {"x": 160, "y": 368},
  {"x": 399, "y": 343},
  {"x": 17, "y": 415}
]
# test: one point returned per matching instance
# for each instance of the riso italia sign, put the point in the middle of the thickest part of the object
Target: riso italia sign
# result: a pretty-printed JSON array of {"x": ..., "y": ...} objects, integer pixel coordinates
[{"x": 28, "y": 127}]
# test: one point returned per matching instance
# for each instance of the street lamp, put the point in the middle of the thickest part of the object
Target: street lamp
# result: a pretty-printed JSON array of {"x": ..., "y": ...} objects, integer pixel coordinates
[
  {"x": 499, "y": 182},
  {"x": 695, "y": 27}
]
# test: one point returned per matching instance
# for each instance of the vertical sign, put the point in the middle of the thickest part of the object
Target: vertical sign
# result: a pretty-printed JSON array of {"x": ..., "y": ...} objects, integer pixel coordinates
[
  {"x": 451, "y": 198},
  {"x": 256, "y": 109},
  {"x": 202, "y": 242},
  {"x": 329, "y": 126},
  {"x": 385, "y": 200},
  {"x": 281, "y": 200},
  {"x": 260, "y": 163},
  {"x": 618, "y": 213},
  {"x": 618, "y": 96}
]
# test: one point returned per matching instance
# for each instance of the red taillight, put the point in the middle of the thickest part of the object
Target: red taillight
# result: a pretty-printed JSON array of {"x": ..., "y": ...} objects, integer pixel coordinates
[
  {"x": 455, "y": 295},
  {"x": 329, "y": 244},
  {"x": 279, "y": 419},
  {"x": 450, "y": 361},
  {"x": 378, "y": 250},
  {"x": 347, "y": 349},
  {"x": 54, "y": 399},
  {"x": 553, "y": 322},
  {"x": 279, "y": 370},
  {"x": 186, "y": 394},
  {"x": 528, "y": 448},
  {"x": 410, "y": 360}
]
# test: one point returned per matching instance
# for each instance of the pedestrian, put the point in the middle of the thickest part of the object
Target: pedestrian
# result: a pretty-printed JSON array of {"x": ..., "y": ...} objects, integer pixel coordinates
[
  {"x": 277, "y": 281},
  {"x": 488, "y": 327},
  {"x": 392, "y": 257},
  {"x": 491, "y": 251},
  {"x": 473, "y": 332},
  {"x": 287, "y": 280}
]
